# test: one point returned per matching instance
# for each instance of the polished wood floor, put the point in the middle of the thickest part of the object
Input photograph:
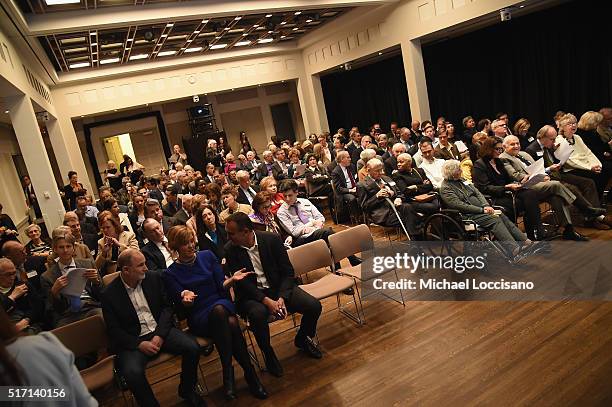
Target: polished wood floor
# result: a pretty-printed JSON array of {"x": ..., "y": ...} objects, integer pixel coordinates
[{"x": 435, "y": 354}]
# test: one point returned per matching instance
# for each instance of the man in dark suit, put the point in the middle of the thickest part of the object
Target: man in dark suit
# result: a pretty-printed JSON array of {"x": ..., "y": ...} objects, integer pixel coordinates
[
  {"x": 391, "y": 162},
  {"x": 156, "y": 251},
  {"x": 209, "y": 177},
  {"x": 411, "y": 182},
  {"x": 345, "y": 183},
  {"x": 184, "y": 213},
  {"x": 269, "y": 167},
  {"x": 29, "y": 268},
  {"x": 153, "y": 210},
  {"x": 154, "y": 192},
  {"x": 378, "y": 194},
  {"x": 271, "y": 289},
  {"x": 173, "y": 204},
  {"x": 139, "y": 321},
  {"x": 251, "y": 163},
  {"x": 246, "y": 191}
]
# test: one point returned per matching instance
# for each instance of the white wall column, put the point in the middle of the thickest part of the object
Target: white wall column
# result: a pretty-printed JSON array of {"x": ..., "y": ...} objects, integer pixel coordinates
[
  {"x": 67, "y": 151},
  {"x": 35, "y": 156},
  {"x": 415, "y": 80},
  {"x": 312, "y": 104},
  {"x": 266, "y": 113}
]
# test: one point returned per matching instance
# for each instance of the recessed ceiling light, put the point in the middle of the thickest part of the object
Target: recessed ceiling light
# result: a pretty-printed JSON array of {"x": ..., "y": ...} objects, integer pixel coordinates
[
  {"x": 283, "y": 22},
  {"x": 226, "y": 29},
  {"x": 245, "y": 34},
  {"x": 309, "y": 20},
  {"x": 196, "y": 32},
  {"x": 268, "y": 15},
  {"x": 265, "y": 40},
  {"x": 189, "y": 40},
  {"x": 139, "y": 56},
  {"x": 58, "y": 2},
  {"x": 6, "y": 112},
  {"x": 130, "y": 39},
  {"x": 165, "y": 53},
  {"x": 170, "y": 25},
  {"x": 94, "y": 60},
  {"x": 193, "y": 49},
  {"x": 238, "y": 18},
  {"x": 109, "y": 61},
  {"x": 380, "y": 53},
  {"x": 283, "y": 36},
  {"x": 218, "y": 46},
  {"x": 270, "y": 32},
  {"x": 79, "y": 65},
  {"x": 242, "y": 43},
  {"x": 295, "y": 29},
  {"x": 522, "y": 6},
  {"x": 204, "y": 21},
  {"x": 164, "y": 35},
  {"x": 92, "y": 33},
  {"x": 297, "y": 13},
  {"x": 217, "y": 38},
  {"x": 255, "y": 25},
  {"x": 94, "y": 44}
]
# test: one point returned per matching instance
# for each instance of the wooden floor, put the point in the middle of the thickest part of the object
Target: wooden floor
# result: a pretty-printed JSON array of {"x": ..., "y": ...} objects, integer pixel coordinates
[{"x": 436, "y": 354}]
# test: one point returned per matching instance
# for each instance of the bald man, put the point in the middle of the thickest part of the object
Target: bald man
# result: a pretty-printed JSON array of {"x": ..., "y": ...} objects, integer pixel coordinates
[
  {"x": 29, "y": 268},
  {"x": 139, "y": 320}
]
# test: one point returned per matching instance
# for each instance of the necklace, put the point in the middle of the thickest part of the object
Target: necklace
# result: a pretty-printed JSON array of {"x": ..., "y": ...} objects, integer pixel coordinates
[{"x": 188, "y": 263}]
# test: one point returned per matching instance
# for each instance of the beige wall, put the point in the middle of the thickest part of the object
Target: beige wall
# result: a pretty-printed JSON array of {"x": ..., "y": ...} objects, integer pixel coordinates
[{"x": 12, "y": 198}]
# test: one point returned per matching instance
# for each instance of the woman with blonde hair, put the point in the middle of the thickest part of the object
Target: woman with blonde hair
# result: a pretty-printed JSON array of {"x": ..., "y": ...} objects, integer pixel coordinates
[
  {"x": 521, "y": 130},
  {"x": 269, "y": 184},
  {"x": 322, "y": 159},
  {"x": 582, "y": 161},
  {"x": 114, "y": 240}
]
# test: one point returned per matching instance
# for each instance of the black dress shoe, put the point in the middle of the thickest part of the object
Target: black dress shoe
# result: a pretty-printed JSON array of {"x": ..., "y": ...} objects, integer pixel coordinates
[
  {"x": 573, "y": 235},
  {"x": 310, "y": 348},
  {"x": 193, "y": 398},
  {"x": 273, "y": 365},
  {"x": 255, "y": 386},
  {"x": 229, "y": 384}
]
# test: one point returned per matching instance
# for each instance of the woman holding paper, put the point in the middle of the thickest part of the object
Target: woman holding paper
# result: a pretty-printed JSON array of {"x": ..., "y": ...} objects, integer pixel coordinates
[
  {"x": 582, "y": 161},
  {"x": 114, "y": 241}
]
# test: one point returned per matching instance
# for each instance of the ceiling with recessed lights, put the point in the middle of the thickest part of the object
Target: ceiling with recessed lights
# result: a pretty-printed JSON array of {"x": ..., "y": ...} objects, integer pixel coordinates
[{"x": 99, "y": 47}]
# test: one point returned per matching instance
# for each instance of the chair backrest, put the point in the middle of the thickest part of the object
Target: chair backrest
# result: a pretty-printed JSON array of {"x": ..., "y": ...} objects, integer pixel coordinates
[
  {"x": 310, "y": 257},
  {"x": 85, "y": 336},
  {"x": 107, "y": 279},
  {"x": 350, "y": 241}
]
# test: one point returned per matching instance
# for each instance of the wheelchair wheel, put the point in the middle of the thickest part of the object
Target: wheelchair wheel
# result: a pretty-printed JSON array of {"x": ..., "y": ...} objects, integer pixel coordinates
[{"x": 447, "y": 231}]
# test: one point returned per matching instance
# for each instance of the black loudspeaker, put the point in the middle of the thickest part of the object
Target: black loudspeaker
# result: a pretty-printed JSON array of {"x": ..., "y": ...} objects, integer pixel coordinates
[
  {"x": 201, "y": 112},
  {"x": 195, "y": 148}
]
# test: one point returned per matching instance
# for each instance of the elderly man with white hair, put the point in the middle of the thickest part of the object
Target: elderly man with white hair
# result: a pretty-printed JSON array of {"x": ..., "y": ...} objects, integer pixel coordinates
[
  {"x": 380, "y": 198},
  {"x": 246, "y": 191},
  {"x": 467, "y": 199},
  {"x": 269, "y": 167},
  {"x": 391, "y": 162}
]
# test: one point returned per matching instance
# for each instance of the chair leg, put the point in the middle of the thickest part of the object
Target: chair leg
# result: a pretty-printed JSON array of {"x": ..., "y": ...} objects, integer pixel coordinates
[
  {"x": 400, "y": 290},
  {"x": 203, "y": 379}
]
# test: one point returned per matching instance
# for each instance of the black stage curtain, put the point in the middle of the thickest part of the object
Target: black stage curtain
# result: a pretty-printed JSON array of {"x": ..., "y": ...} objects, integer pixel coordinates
[
  {"x": 363, "y": 96},
  {"x": 556, "y": 59}
]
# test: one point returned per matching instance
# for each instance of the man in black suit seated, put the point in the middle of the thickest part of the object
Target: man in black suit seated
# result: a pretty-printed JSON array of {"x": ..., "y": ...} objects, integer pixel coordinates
[
  {"x": 29, "y": 268},
  {"x": 139, "y": 321},
  {"x": 209, "y": 175},
  {"x": 184, "y": 213},
  {"x": 153, "y": 210},
  {"x": 246, "y": 191},
  {"x": 412, "y": 182},
  {"x": 251, "y": 163},
  {"x": 156, "y": 251},
  {"x": 270, "y": 290},
  {"x": 173, "y": 203},
  {"x": 345, "y": 182},
  {"x": 391, "y": 162},
  {"x": 378, "y": 194},
  {"x": 151, "y": 184},
  {"x": 269, "y": 167}
]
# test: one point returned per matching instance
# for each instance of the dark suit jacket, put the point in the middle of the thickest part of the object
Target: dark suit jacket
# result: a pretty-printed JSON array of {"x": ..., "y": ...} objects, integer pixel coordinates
[
  {"x": 444, "y": 154},
  {"x": 277, "y": 171},
  {"x": 390, "y": 165},
  {"x": 180, "y": 218},
  {"x": 120, "y": 316},
  {"x": 154, "y": 257},
  {"x": 242, "y": 198},
  {"x": 156, "y": 194},
  {"x": 319, "y": 185},
  {"x": 276, "y": 267},
  {"x": 171, "y": 209},
  {"x": 340, "y": 180},
  {"x": 206, "y": 244},
  {"x": 60, "y": 306},
  {"x": 416, "y": 177},
  {"x": 488, "y": 181},
  {"x": 38, "y": 264},
  {"x": 378, "y": 209}
]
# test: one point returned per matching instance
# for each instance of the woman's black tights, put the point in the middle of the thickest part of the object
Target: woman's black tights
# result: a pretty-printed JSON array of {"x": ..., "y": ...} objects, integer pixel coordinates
[{"x": 225, "y": 331}]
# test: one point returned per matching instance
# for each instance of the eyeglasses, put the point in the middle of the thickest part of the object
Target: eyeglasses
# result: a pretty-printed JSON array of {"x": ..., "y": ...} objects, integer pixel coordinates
[{"x": 499, "y": 149}]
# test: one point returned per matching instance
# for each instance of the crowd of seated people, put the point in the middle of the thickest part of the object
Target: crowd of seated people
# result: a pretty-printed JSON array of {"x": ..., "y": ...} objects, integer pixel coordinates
[{"x": 180, "y": 240}]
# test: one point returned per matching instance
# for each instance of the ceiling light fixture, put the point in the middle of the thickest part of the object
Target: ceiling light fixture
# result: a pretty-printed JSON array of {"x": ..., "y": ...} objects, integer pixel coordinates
[
  {"x": 74, "y": 66},
  {"x": 270, "y": 32},
  {"x": 193, "y": 49},
  {"x": 283, "y": 36},
  {"x": 196, "y": 32},
  {"x": 6, "y": 112},
  {"x": 226, "y": 29},
  {"x": 268, "y": 15},
  {"x": 58, "y": 2},
  {"x": 255, "y": 25},
  {"x": 238, "y": 18},
  {"x": 295, "y": 29},
  {"x": 265, "y": 40},
  {"x": 245, "y": 34},
  {"x": 130, "y": 39},
  {"x": 283, "y": 22},
  {"x": 139, "y": 56},
  {"x": 93, "y": 44},
  {"x": 204, "y": 21},
  {"x": 218, "y": 46},
  {"x": 109, "y": 61},
  {"x": 170, "y": 25},
  {"x": 93, "y": 33},
  {"x": 165, "y": 53},
  {"x": 309, "y": 20},
  {"x": 242, "y": 43},
  {"x": 297, "y": 13}
]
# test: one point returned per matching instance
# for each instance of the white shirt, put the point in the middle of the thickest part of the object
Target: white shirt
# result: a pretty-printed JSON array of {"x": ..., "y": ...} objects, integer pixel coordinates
[
  {"x": 141, "y": 306},
  {"x": 166, "y": 253},
  {"x": 250, "y": 194},
  {"x": 349, "y": 184},
  {"x": 433, "y": 170},
  {"x": 262, "y": 281}
]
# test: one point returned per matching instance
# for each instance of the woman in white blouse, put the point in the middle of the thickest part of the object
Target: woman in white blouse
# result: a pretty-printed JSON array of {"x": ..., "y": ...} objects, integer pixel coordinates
[{"x": 582, "y": 161}]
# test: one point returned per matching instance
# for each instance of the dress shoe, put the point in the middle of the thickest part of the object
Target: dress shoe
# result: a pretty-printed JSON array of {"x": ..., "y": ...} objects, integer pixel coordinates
[
  {"x": 255, "y": 386},
  {"x": 310, "y": 348},
  {"x": 607, "y": 220},
  {"x": 594, "y": 212},
  {"x": 193, "y": 398},
  {"x": 597, "y": 224},
  {"x": 354, "y": 260},
  {"x": 229, "y": 384},
  {"x": 273, "y": 365},
  {"x": 571, "y": 234}
]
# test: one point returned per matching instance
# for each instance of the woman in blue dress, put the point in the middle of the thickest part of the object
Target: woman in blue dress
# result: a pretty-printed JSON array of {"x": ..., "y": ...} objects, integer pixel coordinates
[{"x": 196, "y": 281}]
